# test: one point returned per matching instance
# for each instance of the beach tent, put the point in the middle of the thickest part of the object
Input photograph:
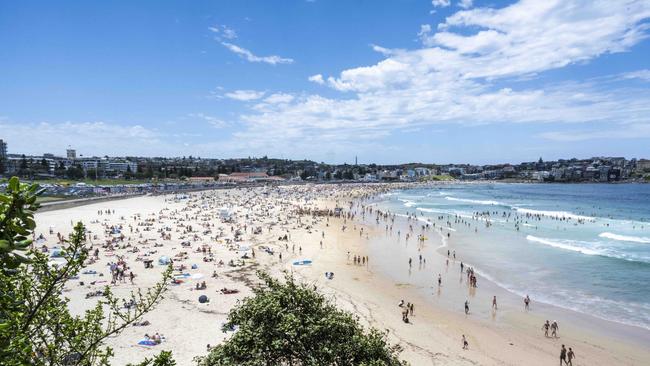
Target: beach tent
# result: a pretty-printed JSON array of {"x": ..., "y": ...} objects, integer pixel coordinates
[
  {"x": 203, "y": 299},
  {"x": 163, "y": 260},
  {"x": 197, "y": 276}
]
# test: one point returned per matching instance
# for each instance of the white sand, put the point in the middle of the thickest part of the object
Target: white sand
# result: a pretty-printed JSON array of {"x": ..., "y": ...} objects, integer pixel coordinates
[{"x": 433, "y": 337}]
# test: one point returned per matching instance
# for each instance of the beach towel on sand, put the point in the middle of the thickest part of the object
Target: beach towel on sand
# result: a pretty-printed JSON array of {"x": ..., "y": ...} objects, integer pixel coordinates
[{"x": 147, "y": 342}]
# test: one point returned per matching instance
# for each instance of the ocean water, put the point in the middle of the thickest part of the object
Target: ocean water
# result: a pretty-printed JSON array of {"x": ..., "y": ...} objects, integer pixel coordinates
[{"x": 584, "y": 247}]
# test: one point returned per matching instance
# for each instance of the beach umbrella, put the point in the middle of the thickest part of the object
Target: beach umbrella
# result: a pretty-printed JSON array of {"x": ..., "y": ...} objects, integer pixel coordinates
[{"x": 203, "y": 299}]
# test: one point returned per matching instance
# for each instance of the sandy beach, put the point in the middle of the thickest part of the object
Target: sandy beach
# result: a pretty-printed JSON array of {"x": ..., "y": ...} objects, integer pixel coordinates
[{"x": 221, "y": 238}]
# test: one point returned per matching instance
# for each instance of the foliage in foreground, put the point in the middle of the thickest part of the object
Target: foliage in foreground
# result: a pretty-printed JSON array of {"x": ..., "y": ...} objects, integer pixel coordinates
[
  {"x": 288, "y": 323},
  {"x": 164, "y": 358},
  {"x": 36, "y": 327}
]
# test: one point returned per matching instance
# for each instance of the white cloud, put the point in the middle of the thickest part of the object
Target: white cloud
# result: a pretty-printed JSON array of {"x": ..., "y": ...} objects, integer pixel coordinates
[
  {"x": 245, "y": 95},
  {"x": 634, "y": 131},
  {"x": 469, "y": 72},
  {"x": 318, "y": 79},
  {"x": 465, "y": 4},
  {"x": 89, "y": 138},
  {"x": 278, "y": 98},
  {"x": 440, "y": 3},
  {"x": 384, "y": 51},
  {"x": 212, "y": 121},
  {"x": 224, "y": 31},
  {"x": 229, "y": 33},
  {"x": 248, "y": 55},
  {"x": 638, "y": 74},
  {"x": 522, "y": 39}
]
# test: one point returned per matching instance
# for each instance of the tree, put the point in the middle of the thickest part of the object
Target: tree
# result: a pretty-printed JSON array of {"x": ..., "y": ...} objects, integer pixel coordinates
[
  {"x": 291, "y": 324},
  {"x": 164, "y": 358},
  {"x": 91, "y": 173},
  {"x": 74, "y": 173},
  {"x": 36, "y": 327},
  {"x": 149, "y": 173},
  {"x": 24, "y": 170},
  {"x": 129, "y": 173}
]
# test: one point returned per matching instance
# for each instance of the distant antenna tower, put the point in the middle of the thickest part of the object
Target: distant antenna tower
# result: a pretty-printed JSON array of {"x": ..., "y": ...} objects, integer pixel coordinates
[{"x": 355, "y": 160}]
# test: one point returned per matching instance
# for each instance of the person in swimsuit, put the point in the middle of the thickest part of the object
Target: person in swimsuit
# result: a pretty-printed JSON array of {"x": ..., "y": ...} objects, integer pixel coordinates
[
  {"x": 466, "y": 307},
  {"x": 465, "y": 344},
  {"x": 570, "y": 356},
  {"x": 545, "y": 327},
  {"x": 563, "y": 356}
]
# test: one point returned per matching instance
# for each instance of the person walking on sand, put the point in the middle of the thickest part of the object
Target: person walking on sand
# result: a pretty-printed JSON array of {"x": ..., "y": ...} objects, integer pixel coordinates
[
  {"x": 563, "y": 356},
  {"x": 466, "y": 307},
  {"x": 545, "y": 327},
  {"x": 570, "y": 356},
  {"x": 465, "y": 344},
  {"x": 554, "y": 329},
  {"x": 526, "y": 303}
]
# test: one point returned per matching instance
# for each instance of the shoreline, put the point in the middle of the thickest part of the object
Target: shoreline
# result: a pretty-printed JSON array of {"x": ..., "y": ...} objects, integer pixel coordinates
[
  {"x": 432, "y": 338},
  {"x": 624, "y": 330},
  {"x": 626, "y": 339}
]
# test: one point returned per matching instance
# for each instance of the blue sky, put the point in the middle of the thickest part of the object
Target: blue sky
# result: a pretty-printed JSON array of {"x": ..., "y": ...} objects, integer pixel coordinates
[{"x": 443, "y": 81}]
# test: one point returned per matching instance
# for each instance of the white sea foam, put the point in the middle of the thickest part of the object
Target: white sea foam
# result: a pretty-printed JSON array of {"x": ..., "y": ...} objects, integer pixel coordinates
[
  {"x": 558, "y": 214},
  {"x": 563, "y": 244},
  {"x": 408, "y": 203},
  {"x": 579, "y": 246},
  {"x": 635, "y": 239},
  {"x": 446, "y": 212},
  {"x": 428, "y": 210},
  {"x": 478, "y": 202}
]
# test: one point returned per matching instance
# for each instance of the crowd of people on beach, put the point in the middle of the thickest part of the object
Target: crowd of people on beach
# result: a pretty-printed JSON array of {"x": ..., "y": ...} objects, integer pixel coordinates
[
  {"x": 420, "y": 227},
  {"x": 213, "y": 234}
]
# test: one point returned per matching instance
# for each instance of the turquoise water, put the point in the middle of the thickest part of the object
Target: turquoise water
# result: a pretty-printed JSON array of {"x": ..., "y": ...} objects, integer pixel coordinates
[{"x": 584, "y": 247}]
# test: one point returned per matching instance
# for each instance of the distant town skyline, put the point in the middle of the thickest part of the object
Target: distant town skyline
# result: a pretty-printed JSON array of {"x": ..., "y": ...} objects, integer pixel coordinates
[
  {"x": 389, "y": 82},
  {"x": 71, "y": 153}
]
